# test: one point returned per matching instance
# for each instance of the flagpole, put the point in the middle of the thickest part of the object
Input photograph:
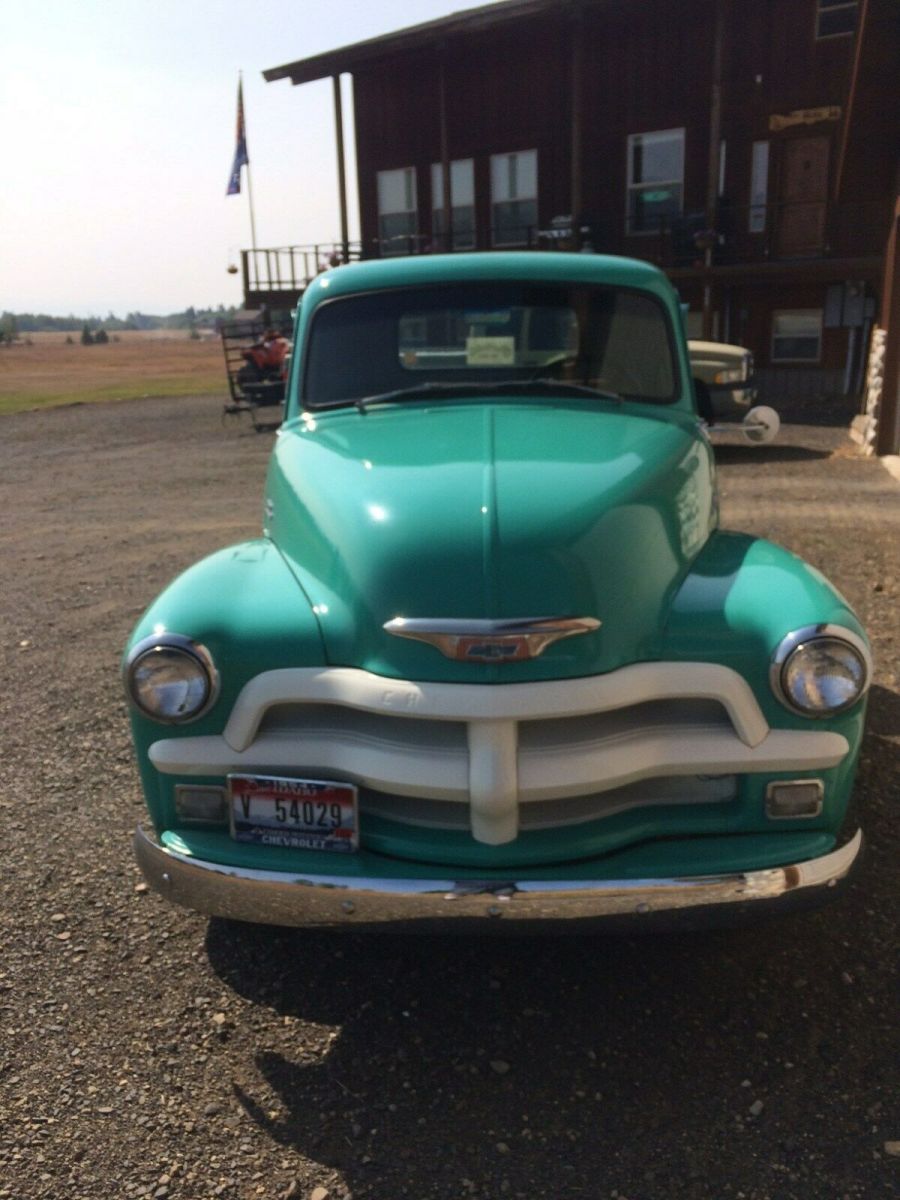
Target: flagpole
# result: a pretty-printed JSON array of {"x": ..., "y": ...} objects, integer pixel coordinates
[
  {"x": 250, "y": 202},
  {"x": 249, "y": 185}
]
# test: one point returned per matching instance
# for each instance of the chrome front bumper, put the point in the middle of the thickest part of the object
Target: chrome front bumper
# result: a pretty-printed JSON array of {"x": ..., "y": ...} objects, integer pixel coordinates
[{"x": 331, "y": 901}]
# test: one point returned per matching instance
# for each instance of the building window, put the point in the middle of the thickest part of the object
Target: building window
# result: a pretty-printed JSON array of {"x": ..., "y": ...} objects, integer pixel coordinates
[
  {"x": 514, "y": 210},
  {"x": 462, "y": 200},
  {"x": 835, "y": 18},
  {"x": 797, "y": 335},
  {"x": 759, "y": 187},
  {"x": 397, "y": 211},
  {"x": 655, "y": 179}
]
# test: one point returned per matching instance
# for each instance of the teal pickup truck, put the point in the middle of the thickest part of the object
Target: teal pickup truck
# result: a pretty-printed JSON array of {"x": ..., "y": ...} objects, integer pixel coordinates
[{"x": 492, "y": 662}]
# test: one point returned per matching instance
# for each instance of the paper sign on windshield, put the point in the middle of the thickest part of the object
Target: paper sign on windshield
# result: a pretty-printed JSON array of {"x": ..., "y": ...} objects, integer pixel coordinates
[{"x": 491, "y": 352}]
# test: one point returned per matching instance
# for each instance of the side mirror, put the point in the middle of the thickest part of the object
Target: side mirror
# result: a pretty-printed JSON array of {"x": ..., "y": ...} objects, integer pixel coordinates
[
  {"x": 704, "y": 401},
  {"x": 761, "y": 425}
]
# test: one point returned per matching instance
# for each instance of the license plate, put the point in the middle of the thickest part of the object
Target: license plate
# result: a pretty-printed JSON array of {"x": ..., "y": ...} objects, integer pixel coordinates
[{"x": 305, "y": 814}]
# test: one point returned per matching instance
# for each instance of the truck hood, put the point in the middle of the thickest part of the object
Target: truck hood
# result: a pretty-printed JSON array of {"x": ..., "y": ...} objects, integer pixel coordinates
[{"x": 509, "y": 510}]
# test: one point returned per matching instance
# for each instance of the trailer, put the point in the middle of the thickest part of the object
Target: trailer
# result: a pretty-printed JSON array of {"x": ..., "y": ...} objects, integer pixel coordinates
[{"x": 256, "y": 358}]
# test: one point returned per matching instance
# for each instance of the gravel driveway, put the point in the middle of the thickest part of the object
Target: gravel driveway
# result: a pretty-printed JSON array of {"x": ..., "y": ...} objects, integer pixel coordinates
[{"x": 146, "y": 1051}]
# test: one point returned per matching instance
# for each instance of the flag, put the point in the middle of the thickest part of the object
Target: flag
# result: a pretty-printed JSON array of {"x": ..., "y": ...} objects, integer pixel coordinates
[{"x": 240, "y": 152}]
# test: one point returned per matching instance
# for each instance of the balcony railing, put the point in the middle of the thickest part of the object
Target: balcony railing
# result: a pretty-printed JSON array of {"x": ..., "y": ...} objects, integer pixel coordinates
[
  {"x": 742, "y": 234},
  {"x": 288, "y": 270},
  {"x": 509, "y": 237},
  {"x": 779, "y": 232}
]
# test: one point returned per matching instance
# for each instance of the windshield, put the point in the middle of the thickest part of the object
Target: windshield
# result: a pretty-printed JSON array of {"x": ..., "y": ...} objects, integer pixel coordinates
[{"x": 611, "y": 339}]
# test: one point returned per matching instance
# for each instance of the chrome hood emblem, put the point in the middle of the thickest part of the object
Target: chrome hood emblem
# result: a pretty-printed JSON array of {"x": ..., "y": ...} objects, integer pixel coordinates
[{"x": 490, "y": 641}]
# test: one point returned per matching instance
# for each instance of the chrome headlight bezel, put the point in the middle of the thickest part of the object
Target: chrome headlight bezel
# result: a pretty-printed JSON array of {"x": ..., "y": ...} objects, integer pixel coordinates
[
  {"x": 192, "y": 651},
  {"x": 799, "y": 640}
]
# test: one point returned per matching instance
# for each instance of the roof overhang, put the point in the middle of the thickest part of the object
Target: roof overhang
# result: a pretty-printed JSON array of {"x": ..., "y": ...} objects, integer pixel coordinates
[{"x": 361, "y": 54}]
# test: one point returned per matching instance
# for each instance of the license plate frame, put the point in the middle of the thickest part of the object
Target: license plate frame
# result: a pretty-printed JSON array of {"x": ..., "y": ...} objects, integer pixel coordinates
[{"x": 292, "y": 813}]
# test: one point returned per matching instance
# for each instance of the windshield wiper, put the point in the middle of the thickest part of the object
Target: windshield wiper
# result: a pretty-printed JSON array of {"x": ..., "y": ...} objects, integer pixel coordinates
[
  {"x": 420, "y": 391},
  {"x": 509, "y": 387},
  {"x": 562, "y": 386}
]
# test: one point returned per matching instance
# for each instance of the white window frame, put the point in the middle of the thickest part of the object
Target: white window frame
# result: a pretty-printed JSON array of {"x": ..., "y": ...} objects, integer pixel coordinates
[
  {"x": 630, "y": 186},
  {"x": 759, "y": 188},
  {"x": 410, "y": 187},
  {"x": 840, "y": 6},
  {"x": 515, "y": 196},
  {"x": 454, "y": 241},
  {"x": 776, "y": 359}
]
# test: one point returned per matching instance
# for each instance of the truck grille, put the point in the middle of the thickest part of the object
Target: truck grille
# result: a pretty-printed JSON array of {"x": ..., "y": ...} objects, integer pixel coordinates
[
  {"x": 500, "y": 759},
  {"x": 555, "y": 814}
]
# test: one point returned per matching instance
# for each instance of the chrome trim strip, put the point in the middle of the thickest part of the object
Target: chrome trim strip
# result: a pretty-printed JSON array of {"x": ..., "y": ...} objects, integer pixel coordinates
[
  {"x": 282, "y": 898},
  {"x": 800, "y": 637},
  {"x": 409, "y": 626},
  {"x": 522, "y": 637}
]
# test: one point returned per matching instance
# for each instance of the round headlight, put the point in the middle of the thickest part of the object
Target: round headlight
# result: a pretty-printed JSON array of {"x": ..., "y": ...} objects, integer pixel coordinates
[
  {"x": 170, "y": 678},
  {"x": 821, "y": 671}
]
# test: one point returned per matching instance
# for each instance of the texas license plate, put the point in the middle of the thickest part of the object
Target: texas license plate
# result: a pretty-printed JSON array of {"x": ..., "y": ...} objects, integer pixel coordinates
[{"x": 306, "y": 814}]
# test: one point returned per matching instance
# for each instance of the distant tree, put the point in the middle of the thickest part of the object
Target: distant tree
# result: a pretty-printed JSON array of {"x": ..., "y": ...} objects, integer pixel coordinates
[
  {"x": 101, "y": 337},
  {"x": 87, "y": 338},
  {"x": 138, "y": 320},
  {"x": 111, "y": 322},
  {"x": 16, "y": 325}
]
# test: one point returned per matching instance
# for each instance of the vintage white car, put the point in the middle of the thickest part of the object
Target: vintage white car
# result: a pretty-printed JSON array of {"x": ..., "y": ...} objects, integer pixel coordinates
[
  {"x": 728, "y": 373},
  {"x": 726, "y": 390}
]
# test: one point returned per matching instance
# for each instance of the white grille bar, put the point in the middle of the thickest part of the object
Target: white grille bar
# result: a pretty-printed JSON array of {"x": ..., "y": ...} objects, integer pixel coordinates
[
  {"x": 468, "y": 702},
  {"x": 413, "y": 771},
  {"x": 493, "y": 781}
]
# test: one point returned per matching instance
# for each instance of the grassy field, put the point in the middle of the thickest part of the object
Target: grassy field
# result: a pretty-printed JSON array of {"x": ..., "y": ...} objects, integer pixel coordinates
[{"x": 42, "y": 371}]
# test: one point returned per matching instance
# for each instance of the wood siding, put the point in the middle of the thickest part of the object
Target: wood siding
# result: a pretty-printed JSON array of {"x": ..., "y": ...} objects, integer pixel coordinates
[
  {"x": 645, "y": 66},
  {"x": 574, "y": 80}
]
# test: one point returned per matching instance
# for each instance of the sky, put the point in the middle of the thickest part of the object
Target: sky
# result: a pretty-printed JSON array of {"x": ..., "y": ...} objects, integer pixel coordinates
[{"x": 118, "y": 126}]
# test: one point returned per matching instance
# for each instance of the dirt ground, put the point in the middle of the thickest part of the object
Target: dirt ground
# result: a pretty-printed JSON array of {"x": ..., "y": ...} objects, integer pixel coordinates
[
  {"x": 43, "y": 369},
  {"x": 148, "y": 1052}
]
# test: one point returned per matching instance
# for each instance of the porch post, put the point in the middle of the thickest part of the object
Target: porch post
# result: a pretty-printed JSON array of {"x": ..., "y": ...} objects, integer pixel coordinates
[
  {"x": 888, "y": 436},
  {"x": 712, "y": 179},
  {"x": 447, "y": 191},
  {"x": 342, "y": 175},
  {"x": 575, "y": 118}
]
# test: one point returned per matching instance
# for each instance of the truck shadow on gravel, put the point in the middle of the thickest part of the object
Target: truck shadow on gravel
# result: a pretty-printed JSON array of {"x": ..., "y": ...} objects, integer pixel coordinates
[
  {"x": 883, "y": 716},
  {"x": 734, "y": 452},
  {"x": 477, "y": 1066}
]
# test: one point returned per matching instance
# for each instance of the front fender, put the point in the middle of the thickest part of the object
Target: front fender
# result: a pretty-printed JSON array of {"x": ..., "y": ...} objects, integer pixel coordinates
[
  {"x": 741, "y": 597},
  {"x": 246, "y": 607}
]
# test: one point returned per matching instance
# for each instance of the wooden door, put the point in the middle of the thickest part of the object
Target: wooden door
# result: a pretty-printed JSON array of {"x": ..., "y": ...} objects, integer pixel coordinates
[{"x": 803, "y": 195}]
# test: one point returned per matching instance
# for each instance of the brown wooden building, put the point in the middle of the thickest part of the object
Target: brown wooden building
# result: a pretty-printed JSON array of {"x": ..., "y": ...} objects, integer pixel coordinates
[{"x": 750, "y": 149}]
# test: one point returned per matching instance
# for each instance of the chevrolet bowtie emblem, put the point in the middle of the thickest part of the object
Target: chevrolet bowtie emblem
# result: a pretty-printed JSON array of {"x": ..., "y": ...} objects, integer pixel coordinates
[{"x": 490, "y": 641}]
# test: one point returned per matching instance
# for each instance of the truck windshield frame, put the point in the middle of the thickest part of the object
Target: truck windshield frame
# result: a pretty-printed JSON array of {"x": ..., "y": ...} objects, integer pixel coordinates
[{"x": 607, "y": 337}]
